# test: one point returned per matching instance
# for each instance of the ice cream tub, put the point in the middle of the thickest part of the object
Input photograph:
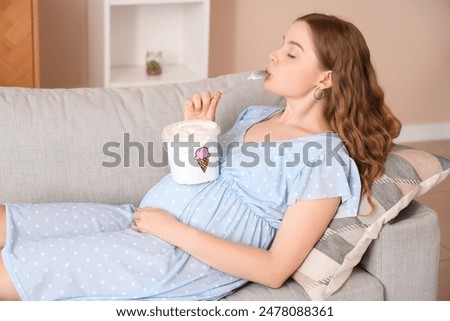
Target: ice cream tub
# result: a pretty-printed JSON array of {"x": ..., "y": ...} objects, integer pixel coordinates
[{"x": 192, "y": 150}]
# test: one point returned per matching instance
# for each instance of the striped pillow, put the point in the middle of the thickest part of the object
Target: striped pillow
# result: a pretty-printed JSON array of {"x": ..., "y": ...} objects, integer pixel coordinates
[{"x": 409, "y": 173}]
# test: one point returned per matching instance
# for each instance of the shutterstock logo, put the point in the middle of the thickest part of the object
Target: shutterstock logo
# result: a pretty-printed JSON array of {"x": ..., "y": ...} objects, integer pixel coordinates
[
  {"x": 121, "y": 154},
  {"x": 249, "y": 154}
]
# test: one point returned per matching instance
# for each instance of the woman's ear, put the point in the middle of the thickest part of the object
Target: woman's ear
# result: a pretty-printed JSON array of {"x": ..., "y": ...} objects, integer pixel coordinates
[{"x": 326, "y": 80}]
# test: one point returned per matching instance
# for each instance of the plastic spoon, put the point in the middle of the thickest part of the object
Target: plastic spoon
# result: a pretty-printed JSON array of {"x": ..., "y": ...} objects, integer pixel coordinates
[{"x": 260, "y": 74}]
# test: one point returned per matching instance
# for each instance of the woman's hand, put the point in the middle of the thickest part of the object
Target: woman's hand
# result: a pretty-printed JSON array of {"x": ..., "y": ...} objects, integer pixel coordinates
[
  {"x": 154, "y": 221},
  {"x": 201, "y": 106}
]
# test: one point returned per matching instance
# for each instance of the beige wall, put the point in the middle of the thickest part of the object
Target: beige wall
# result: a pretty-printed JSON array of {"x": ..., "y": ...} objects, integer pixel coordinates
[
  {"x": 63, "y": 43},
  {"x": 409, "y": 41}
]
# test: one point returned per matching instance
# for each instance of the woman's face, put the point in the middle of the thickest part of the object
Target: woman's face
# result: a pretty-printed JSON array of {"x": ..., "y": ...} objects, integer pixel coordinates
[{"x": 294, "y": 69}]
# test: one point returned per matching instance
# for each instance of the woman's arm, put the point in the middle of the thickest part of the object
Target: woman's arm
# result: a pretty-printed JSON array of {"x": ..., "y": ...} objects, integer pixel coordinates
[{"x": 302, "y": 226}]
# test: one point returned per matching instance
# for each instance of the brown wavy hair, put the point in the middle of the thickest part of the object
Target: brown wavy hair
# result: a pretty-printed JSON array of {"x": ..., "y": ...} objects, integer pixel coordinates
[{"x": 354, "y": 106}]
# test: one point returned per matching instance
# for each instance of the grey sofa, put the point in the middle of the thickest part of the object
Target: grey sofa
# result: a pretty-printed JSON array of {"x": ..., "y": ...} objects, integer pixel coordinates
[{"x": 104, "y": 145}]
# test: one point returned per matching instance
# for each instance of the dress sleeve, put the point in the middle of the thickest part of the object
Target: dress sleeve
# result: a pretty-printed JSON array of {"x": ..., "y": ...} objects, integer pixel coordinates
[{"x": 327, "y": 175}]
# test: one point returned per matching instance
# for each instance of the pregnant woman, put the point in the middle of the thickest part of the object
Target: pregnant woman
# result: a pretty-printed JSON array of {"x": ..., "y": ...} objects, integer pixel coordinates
[{"x": 254, "y": 223}]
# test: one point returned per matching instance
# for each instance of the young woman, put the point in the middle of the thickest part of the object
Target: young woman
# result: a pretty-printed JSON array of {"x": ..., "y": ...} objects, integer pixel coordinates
[{"x": 254, "y": 223}]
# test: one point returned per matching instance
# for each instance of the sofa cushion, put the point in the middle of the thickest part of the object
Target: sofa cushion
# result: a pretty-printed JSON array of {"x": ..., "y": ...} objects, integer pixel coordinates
[
  {"x": 361, "y": 286},
  {"x": 408, "y": 173}
]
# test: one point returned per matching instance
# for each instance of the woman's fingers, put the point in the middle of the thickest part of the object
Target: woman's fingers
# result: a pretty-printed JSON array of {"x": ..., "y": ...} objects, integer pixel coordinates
[
  {"x": 137, "y": 217},
  {"x": 189, "y": 105},
  {"x": 139, "y": 212},
  {"x": 206, "y": 98},
  {"x": 217, "y": 95},
  {"x": 213, "y": 104},
  {"x": 201, "y": 106},
  {"x": 197, "y": 99}
]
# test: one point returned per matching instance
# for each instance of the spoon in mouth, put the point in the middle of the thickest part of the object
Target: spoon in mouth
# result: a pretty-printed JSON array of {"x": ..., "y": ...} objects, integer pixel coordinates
[{"x": 259, "y": 74}]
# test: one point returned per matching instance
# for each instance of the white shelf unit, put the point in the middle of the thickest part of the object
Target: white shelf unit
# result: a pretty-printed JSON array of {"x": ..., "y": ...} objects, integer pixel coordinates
[{"x": 120, "y": 32}]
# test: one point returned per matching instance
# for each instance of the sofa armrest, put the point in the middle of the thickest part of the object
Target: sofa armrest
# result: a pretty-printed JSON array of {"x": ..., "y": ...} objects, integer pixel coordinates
[{"x": 405, "y": 257}]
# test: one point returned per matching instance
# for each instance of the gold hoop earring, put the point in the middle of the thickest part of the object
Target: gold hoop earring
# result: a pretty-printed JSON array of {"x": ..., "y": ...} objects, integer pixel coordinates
[{"x": 321, "y": 95}]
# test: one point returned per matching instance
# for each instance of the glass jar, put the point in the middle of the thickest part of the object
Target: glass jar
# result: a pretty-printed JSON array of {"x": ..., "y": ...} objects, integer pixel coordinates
[{"x": 153, "y": 63}]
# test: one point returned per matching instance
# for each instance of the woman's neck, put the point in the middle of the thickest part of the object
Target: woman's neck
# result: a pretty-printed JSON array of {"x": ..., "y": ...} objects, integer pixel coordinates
[{"x": 306, "y": 115}]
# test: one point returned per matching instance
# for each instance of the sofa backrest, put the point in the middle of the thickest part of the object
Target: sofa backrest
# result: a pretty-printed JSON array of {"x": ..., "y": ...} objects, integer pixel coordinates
[{"x": 96, "y": 144}]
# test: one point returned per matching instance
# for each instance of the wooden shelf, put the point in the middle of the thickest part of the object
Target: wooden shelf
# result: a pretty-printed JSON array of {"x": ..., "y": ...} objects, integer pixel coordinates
[
  {"x": 122, "y": 31},
  {"x": 141, "y": 2},
  {"x": 123, "y": 76}
]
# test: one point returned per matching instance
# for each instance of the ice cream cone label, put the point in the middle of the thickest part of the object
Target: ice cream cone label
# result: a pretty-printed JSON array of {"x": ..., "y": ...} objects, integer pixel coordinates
[{"x": 202, "y": 157}]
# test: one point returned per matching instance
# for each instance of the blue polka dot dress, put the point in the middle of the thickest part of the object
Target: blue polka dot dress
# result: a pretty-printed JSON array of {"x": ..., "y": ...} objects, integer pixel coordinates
[{"x": 85, "y": 251}]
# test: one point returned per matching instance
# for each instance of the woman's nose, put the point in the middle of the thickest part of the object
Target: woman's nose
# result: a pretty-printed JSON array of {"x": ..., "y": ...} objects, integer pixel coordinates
[{"x": 273, "y": 56}]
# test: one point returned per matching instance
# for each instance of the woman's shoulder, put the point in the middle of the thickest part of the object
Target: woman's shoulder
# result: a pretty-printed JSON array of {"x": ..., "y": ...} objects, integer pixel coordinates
[
  {"x": 330, "y": 146},
  {"x": 318, "y": 150}
]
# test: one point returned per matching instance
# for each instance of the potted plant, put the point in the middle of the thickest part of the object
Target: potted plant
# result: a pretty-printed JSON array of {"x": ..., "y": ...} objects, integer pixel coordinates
[
  {"x": 153, "y": 68},
  {"x": 153, "y": 63}
]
